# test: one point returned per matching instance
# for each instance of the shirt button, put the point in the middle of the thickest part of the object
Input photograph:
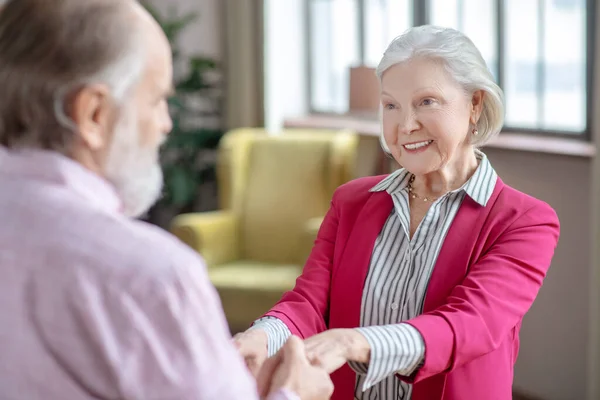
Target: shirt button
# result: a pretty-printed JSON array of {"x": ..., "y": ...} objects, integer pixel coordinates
[{"x": 394, "y": 306}]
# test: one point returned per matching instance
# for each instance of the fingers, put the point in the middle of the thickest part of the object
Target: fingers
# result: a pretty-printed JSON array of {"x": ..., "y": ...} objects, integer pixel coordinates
[
  {"x": 239, "y": 342},
  {"x": 289, "y": 357},
  {"x": 265, "y": 374},
  {"x": 251, "y": 349},
  {"x": 254, "y": 365},
  {"x": 236, "y": 342},
  {"x": 294, "y": 350},
  {"x": 327, "y": 356}
]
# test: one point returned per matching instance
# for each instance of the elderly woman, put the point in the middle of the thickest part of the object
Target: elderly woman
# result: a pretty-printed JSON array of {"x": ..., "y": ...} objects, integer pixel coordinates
[{"x": 418, "y": 281}]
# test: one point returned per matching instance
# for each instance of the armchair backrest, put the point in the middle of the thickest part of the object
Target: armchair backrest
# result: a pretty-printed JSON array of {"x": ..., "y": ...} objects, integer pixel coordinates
[{"x": 276, "y": 184}]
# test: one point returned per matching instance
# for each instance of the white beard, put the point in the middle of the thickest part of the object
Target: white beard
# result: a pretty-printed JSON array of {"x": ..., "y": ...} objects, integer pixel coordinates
[{"x": 134, "y": 171}]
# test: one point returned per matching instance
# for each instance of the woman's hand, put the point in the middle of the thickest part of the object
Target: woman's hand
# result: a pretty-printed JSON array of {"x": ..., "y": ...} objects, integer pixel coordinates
[
  {"x": 252, "y": 346},
  {"x": 290, "y": 369},
  {"x": 333, "y": 348}
]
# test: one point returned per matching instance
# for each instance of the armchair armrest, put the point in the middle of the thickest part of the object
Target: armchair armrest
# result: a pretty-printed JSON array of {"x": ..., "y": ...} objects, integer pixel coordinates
[
  {"x": 213, "y": 234},
  {"x": 311, "y": 228}
]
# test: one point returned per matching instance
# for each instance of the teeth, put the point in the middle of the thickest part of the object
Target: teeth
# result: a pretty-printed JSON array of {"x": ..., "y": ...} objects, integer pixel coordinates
[{"x": 414, "y": 146}]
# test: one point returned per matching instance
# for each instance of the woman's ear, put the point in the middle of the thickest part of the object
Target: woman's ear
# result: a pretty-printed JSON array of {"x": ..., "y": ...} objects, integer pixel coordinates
[
  {"x": 476, "y": 106},
  {"x": 92, "y": 111}
]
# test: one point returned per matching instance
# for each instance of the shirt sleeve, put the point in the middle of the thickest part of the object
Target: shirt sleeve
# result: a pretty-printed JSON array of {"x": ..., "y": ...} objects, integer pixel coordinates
[
  {"x": 284, "y": 394},
  {"x": 395, "y": 349},
  {"x": 277, "y": 333},
  {"x": 160, "y": 335}
]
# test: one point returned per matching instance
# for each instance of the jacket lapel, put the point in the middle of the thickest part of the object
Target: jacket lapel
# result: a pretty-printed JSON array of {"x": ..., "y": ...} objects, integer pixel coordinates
[
  {"x": 349, "y": 278},
  {"x": 459, "y": 250}
]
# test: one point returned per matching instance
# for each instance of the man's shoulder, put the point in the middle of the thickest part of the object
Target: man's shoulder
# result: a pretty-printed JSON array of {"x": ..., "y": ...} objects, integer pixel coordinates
[
  {"x": 142, "y": 241},
  {"x": 124, "y": 250}
]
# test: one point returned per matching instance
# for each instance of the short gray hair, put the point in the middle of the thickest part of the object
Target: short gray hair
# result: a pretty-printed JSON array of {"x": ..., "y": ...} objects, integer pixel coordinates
[
  {"x": 464, "y": 63},
  {"x": 49, "y": 50}
]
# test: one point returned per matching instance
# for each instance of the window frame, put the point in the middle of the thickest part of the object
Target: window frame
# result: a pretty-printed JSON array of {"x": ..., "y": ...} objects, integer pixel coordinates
[{"x": 420, "y": 16}]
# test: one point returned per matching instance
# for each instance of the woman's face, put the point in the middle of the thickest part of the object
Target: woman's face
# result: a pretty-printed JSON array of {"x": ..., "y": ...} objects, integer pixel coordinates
[{"x": 427, "y": 116}]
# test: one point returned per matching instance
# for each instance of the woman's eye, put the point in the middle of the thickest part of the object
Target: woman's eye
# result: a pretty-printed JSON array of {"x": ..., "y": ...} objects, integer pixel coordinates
[
  {"x": 427, "y": 102},
  {"x": 389, "y": 106}
]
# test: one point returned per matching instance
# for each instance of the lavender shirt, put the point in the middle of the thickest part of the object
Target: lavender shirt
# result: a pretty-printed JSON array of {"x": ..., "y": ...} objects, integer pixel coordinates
[{"x": 94, "y": 305}]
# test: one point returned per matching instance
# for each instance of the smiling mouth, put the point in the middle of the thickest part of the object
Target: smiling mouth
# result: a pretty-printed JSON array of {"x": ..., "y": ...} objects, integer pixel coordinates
[{"x": 418, "y": 145}]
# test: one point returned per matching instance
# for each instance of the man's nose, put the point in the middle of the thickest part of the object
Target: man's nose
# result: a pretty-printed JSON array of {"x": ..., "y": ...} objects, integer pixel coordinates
[{"x": 168, "y": 124}]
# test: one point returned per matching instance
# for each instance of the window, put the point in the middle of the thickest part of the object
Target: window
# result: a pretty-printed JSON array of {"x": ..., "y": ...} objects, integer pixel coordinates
[
  {"x": 476, "y": 19},
  {"x": 383, "y": 21},
  {"x": 334, "y": 47},
  {"x": 538, "y": 51}
]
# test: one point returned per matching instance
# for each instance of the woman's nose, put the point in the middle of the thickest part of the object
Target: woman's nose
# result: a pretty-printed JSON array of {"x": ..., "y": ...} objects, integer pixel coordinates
[{"x": 408, "y": 123}]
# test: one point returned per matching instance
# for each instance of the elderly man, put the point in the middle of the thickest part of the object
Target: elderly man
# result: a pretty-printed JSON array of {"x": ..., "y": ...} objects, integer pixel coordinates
[{"x": 95, "y": 305}]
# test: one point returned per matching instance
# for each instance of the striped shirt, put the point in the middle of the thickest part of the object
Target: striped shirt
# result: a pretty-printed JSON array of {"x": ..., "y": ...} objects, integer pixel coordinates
[{"x": 396, "y": 284}]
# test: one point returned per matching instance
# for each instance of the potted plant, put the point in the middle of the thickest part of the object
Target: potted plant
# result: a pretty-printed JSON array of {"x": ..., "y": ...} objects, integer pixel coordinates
[{"x": 189, "y": 153}]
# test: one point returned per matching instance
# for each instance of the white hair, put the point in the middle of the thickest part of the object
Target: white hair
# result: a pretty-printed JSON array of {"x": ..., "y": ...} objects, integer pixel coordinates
[
  {"x": 54, "y": 58},
  {"x": 120, "y": 76},
  {"x": 464, "y": 63}
]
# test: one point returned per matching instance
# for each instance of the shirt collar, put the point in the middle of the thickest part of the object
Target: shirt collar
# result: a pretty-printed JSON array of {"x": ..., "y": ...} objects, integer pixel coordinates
[
  {"x": 479, "y": 187},
  {"x": 52, "y": 167}
]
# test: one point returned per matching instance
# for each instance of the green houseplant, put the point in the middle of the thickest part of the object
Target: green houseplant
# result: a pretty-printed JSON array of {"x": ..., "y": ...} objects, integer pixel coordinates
[{"x": 187, "y": 156}]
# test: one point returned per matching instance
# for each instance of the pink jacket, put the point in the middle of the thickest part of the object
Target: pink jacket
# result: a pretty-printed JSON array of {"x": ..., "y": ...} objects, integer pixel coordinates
[{"x": 489, "y": 271}]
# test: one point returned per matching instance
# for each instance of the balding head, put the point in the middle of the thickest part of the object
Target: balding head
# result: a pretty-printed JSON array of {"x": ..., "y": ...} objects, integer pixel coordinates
[
  {"x": 88, "y": 79},
  {"x": 51, "y": 49}
]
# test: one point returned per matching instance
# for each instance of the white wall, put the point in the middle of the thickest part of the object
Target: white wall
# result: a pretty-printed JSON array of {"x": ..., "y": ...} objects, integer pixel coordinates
[
  {"x": 205, "y": 36},
  {"x": 553, "y": 358}
]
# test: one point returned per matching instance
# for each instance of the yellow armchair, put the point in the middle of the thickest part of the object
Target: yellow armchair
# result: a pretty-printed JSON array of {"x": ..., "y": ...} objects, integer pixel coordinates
[{"x": 273, "y": 194}]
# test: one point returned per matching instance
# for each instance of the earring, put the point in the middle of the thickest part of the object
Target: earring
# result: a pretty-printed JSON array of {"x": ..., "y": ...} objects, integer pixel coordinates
[{"x": 475, "y": 132}]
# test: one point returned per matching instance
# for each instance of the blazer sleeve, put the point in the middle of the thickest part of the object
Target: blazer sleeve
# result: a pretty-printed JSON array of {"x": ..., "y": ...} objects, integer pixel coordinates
[
  {"x": 494, "y": 296},
  {"x": 305, "y": 308}
]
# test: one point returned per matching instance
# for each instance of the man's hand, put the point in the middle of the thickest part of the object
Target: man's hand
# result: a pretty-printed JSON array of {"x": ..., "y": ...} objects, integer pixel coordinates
[
  {"x": 290, "y": 369},
  {"x": 252, "y": 345},
  {"x": 333, "y": 348}
]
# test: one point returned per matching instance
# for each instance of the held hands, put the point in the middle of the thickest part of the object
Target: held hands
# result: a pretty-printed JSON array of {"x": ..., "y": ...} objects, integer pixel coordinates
[
  {"x": 290, "y": 369},
  {"x": 252, "y": 346},
  {"x": 301, "y": 367}
]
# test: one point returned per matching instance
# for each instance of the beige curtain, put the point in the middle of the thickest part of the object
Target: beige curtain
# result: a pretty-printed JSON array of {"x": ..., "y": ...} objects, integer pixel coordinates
[{"x": 243, "y": 63}]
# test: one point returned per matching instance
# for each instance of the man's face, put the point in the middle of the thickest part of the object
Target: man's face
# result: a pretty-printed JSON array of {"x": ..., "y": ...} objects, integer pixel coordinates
[{"x": 132, "y": 164}]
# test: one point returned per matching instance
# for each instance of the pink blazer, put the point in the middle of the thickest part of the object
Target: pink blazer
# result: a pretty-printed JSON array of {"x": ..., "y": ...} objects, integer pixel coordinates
[{"x": 488, "y": 273}]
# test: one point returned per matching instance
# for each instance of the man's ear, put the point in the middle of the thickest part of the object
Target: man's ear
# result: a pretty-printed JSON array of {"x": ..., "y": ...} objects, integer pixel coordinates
[{"x": 93, "y": 112}]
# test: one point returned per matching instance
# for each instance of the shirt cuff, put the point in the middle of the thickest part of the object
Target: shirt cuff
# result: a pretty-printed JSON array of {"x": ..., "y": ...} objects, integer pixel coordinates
[
  {"x": 395, "y": 349},
  {"x": 277, "y": 333}
]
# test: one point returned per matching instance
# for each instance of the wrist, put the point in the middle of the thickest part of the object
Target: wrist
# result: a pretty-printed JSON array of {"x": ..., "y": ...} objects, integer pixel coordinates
[
  {"x": 359, "y": 349},
  {"x": 259, "y": 337},
  {"x": 262, "y": 337}
]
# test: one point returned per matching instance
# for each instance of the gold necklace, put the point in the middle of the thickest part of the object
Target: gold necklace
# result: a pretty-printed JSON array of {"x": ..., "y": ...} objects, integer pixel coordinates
[{"x": 412, "y": 193}]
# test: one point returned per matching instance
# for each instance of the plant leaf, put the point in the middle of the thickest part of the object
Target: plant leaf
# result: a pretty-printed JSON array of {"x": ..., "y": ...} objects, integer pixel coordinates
[{"x": 180, "y": 185}]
